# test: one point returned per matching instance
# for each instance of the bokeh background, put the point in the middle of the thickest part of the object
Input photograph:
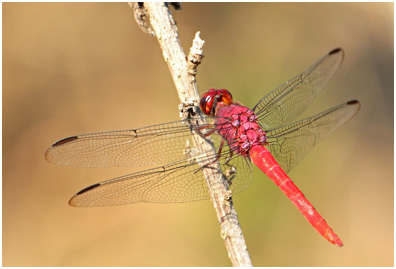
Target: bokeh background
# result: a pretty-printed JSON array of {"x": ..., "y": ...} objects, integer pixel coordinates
[{"x": 74, "y": 68}]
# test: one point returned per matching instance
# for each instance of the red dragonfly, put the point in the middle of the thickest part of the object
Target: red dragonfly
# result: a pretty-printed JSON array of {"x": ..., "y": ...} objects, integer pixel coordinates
[{"x": 263, "y": 136}]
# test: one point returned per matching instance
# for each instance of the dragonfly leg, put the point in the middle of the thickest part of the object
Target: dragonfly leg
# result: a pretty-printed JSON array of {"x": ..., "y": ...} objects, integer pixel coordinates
[
  {"x": 231, "y": 171},
  {"x": 199, "y": 129},
  {"x": 216, "y": 159}
]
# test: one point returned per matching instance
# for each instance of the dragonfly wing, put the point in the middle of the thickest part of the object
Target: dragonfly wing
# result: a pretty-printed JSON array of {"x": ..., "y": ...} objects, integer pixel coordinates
[
  {"x": 181, "y": 181},
  {"x": 159, "y": 185},
  {"x": 291, "y": 143},
  {"x": 157, "y": 144},
  {"x": 286, "y": 103}
]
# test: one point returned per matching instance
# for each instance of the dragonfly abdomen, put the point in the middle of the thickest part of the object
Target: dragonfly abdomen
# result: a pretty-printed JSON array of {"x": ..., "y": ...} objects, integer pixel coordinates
[{"x": 263, "y": 159}]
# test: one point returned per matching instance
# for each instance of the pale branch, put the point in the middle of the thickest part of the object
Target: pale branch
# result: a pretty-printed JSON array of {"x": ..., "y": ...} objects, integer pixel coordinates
[{"x": 157, "y": 20}]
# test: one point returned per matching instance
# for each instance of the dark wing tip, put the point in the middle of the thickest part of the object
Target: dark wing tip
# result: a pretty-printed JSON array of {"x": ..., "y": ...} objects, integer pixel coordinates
[
  {"x": 355, "y": 105},
  {"x": 48, "y": 155},
  {"x": 72, "y": 200},
  {"x": 88, "y": 188},
  {"x": 65, "y": 140},
  {"x": 334, "y": 51},
  {"x": 353, "y": 102}
]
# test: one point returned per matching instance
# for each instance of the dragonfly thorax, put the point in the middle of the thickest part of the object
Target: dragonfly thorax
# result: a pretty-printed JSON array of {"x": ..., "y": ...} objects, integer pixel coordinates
[{"x": 239, "y": 127}]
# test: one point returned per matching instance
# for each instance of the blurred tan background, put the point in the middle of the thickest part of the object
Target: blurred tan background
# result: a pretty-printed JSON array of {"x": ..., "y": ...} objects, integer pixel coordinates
[{"x": 79, "y": 68}]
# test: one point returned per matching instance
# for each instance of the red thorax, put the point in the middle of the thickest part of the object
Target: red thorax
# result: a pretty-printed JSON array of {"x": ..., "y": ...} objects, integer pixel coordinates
[{"x": 237, "y": 124}]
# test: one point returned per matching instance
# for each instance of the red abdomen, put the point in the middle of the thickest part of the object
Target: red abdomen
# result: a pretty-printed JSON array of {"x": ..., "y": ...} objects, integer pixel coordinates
[{"x": 263, "y": 159}]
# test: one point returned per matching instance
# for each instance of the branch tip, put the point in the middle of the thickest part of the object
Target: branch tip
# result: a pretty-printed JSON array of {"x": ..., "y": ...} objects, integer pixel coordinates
[
  {"x": 141, "y": 17},
  {"x": 195, "y": 55}
]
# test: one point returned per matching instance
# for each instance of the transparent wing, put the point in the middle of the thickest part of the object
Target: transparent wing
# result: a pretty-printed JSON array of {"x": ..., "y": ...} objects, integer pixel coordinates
[
  {"x": 181, "y": 181},
  {"x": 290, "y": 144},
  {"x": 152, "y": 145},
  {"x": 286, "y": 103}
]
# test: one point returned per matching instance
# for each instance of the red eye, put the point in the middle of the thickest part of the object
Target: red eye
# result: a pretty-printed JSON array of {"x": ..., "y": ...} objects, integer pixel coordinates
[
  {"x": 212, "y": 97},
  {"x": 207, "y": 100},
  {"x": 224, "y": 96}
]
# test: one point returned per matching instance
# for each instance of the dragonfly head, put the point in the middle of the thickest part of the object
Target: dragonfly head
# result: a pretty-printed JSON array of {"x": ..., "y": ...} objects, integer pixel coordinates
[{"x": 212, "y": 97}]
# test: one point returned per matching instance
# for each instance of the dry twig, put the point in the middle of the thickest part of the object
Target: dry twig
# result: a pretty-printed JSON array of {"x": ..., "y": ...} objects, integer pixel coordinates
[{"x": 156, "y": 19}]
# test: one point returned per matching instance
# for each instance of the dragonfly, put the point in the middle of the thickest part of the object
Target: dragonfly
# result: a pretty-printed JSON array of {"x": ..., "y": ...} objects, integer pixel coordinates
[{"x": 267, "y": 136}]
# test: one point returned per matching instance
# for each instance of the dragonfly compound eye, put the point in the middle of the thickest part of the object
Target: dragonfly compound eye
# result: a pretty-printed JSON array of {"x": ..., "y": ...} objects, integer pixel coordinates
[
  {"x": 212, "y": 97},
  {"x": 207, "y": 100}
]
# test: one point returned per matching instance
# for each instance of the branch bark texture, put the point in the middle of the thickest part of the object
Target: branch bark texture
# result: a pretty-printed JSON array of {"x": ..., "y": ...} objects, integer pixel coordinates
[{"x": 156, "y": 19}]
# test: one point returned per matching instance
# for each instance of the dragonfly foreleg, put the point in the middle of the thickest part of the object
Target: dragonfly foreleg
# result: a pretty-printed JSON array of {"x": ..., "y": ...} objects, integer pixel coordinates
[
  {"x": 230, "y": 173},
  {"x": 199, "y": 130},
  {"x": 216, "y": 159}
]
